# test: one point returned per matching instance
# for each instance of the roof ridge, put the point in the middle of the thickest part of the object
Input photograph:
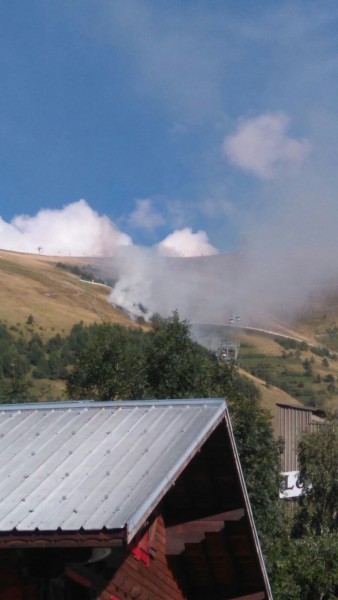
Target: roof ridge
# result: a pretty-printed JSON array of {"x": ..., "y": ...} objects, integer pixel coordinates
[{"x": 111, "y": 404}]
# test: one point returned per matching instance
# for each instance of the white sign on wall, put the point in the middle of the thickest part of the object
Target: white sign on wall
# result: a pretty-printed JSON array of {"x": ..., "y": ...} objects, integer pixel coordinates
[{"x": 290, "y": 487}]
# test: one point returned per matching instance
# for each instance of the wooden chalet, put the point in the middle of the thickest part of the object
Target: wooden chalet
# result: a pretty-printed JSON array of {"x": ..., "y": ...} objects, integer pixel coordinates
[{"x": 125, "y": 501}]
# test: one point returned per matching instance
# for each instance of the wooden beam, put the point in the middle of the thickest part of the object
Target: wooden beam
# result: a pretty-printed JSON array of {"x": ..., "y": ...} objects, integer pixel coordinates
[
  {"x": 69, "y": 539},
  {"x": 194, "y": 531},
  {"x": 255, "y": 596}
]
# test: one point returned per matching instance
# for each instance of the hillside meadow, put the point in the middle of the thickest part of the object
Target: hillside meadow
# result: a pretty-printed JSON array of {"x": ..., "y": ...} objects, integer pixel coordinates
[
  {"x": 55, "y": 298},
  {"x": 39, "y": 297}
]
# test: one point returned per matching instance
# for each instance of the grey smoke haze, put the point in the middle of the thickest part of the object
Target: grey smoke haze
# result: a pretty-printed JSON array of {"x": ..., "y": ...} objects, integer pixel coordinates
[
  {"x": 288, "y": 257},
  {"x": 290, "y": 254},
  {"x": 256, "y": 286},
  {"x": 289, "y": 248}
]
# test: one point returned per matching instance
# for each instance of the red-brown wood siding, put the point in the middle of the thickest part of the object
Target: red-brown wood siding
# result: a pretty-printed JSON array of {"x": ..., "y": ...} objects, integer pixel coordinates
[
  {"x": 12, "y": 589},
  {"x": 136, "y": 580}
]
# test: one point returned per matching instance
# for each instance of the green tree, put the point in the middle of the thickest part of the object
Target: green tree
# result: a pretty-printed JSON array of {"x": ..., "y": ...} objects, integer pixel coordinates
[
  {"x": 176, "y": 366},
  {"x": 35, "y": 350},
  {"x": 259, "y": 455},
  {"x": 305, "y": 568},
  {"x": 16, "y": 387},
  {"x": 304, "y": 560},
  {"x": 318, "y": 457},
  {"x": 111, "y": 366}
]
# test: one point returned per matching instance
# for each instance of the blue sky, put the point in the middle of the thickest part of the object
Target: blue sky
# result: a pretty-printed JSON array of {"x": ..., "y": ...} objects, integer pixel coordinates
[{"x": 195, "y": 126}]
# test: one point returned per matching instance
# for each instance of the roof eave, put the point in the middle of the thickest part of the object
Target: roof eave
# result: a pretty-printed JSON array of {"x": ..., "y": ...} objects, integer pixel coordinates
[
  {"x": 140, "y": 517},
  {"x": 55, "y": 539}
]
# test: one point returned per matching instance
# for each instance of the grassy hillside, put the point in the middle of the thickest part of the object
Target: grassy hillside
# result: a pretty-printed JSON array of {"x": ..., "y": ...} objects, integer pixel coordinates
[
  {"x": 304, "y": 368},
  {"x": 308, "y": 374},
  {"x": 36, "y": 296},
  {"x": 56, "y": 298},
  {"x": 271, "y": 395}
]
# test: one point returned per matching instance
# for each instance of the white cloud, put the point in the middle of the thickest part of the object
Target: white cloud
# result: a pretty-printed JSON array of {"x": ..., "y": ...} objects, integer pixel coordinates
[
  {"x": 186, "y": 243},
  {"x": 262, "y": 147},
  {"x": 145, "y": 217},
  {"x": 75, "y": 229}
]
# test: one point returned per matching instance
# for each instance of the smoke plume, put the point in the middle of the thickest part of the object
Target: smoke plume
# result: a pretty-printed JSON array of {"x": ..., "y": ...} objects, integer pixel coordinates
[{"x": 286, "y": 262}]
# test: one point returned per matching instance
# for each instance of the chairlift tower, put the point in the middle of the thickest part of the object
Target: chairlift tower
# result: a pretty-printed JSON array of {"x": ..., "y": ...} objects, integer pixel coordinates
[{"x": 228, "y": 352}]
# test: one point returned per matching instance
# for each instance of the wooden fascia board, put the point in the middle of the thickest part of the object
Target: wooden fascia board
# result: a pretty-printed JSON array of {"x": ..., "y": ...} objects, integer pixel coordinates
[
  {"x": 246, "y": 503},
  {"x": 69, "y": 539}
]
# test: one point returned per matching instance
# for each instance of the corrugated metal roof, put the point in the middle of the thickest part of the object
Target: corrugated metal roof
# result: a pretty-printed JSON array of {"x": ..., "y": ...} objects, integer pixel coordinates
[
  {"x": 85, "y": 465},
  {"x": 293, "y": 421}
]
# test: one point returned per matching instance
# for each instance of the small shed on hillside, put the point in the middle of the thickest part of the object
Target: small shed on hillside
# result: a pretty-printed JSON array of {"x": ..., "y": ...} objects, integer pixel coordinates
[{"x": 125, "y": 501}]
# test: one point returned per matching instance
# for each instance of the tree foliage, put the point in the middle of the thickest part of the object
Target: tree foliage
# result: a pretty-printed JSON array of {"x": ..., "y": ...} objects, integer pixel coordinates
[
  {"x": 165, "y": 362},
  {"x": 111, "y": 366},
  {"x": 304, "y": 568},
  {"x": 318, "y": 456},
  {"x": 259, "y": 454},
  {"x": 304, "y": 560},
  {"x": 176, "y": 367}
]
